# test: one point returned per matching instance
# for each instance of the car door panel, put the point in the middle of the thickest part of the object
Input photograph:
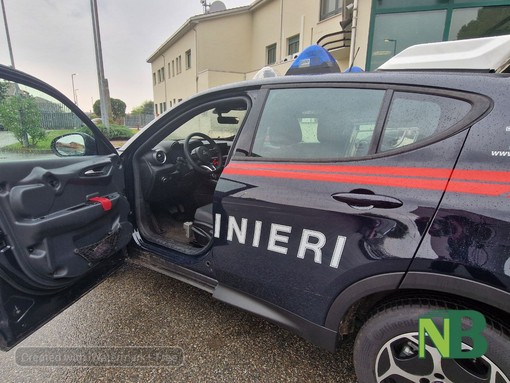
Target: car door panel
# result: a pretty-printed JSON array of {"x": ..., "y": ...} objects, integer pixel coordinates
[
  {"x": 48, "y": 216},
  {"x": 354, "y": 243},
  {"x": 295, "y": 227},
  {"x": 63, "y": 212},
  {"x": 23, "y": 311}
]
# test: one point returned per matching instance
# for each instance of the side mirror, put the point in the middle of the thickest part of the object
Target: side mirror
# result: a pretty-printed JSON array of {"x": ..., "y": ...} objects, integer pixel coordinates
[{"x": 73, "y": 145}]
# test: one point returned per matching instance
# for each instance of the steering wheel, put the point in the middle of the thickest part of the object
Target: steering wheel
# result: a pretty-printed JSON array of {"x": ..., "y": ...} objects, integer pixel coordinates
[{"x": 201, "y": 157}]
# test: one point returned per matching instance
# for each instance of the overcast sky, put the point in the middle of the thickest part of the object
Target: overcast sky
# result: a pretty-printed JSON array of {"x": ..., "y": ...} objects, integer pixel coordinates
[{"x": 52, "y": 39}]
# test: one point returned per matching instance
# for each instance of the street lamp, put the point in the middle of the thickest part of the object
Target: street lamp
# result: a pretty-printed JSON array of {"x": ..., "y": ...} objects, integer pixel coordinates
[
  {"x": 394, "y": 44},
  {"x": 74, "y": 90},
  {"x": 7, "y": 35}
]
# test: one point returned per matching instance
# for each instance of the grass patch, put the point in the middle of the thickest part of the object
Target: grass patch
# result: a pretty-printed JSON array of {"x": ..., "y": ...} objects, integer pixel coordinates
[
  {"x": 117, "y": 132},
  {"x": 43, "y": 146}
]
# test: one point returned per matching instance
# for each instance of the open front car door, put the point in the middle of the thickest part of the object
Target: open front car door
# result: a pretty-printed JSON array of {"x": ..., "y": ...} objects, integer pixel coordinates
[{"x": 63, "y": 215}]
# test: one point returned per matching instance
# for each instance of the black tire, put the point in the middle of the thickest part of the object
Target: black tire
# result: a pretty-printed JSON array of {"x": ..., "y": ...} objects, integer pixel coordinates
[{"x": 393, "y": 327}]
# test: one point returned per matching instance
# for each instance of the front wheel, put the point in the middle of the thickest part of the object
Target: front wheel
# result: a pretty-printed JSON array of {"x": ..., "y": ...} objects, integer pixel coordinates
[{"x": 386, "y": 350}]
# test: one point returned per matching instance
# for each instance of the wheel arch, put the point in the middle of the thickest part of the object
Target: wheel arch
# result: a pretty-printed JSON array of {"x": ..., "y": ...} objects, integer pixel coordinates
[{"x": 359, "y": 299}]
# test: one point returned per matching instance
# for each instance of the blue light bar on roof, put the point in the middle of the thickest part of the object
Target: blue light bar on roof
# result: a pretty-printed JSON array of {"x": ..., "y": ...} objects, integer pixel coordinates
[{"x": 314, "y": 60}]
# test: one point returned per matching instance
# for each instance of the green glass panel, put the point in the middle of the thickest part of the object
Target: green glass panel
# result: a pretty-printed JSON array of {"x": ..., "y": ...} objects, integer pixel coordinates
[
  {"x": 387, "y": 4},
  {"x": 478, "y": 2},
  {"x": 394, "y": 32},
  {"x": 479, "y": 22}
]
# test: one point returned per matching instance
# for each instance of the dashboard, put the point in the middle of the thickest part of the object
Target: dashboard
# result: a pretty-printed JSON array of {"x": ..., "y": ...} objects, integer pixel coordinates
[{"x": 166, "y": 174}]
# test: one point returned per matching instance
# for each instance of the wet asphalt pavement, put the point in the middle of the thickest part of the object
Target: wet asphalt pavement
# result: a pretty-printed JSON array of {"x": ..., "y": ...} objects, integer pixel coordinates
[{"x": 138, "y": 307}]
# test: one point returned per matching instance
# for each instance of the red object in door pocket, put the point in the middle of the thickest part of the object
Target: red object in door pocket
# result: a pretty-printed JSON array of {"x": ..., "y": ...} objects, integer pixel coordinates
[{"x": 105, "y": 202}]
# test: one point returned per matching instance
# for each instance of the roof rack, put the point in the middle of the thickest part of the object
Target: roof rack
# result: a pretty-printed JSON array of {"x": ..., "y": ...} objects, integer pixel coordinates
[{"x": 488, "y": 54}]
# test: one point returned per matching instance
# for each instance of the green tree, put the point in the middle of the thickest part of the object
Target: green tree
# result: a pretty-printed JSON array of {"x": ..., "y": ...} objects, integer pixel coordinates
[
  {"x": 97, "y": 108},
  {"x": 3, "y": 90},
  {"x": 146, "y": 107},
  {"x": 20, "y": 115},
  {"x": 118, "y": 108}
]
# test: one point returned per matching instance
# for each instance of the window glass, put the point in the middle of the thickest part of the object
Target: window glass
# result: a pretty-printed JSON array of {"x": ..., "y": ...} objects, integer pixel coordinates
[
  {"x": 271, "y": 54},
  {"x": 178, "y": 64},
  {"x": 394, "y": 32},
  {"x": 470, "y": 23},
  {"x": 220, "y": 122},
  {"x": 317, "y": 123},
  {"x": 386, "y": 4},
  {"x": 188, "y": 59},
  {"x": 414, "y": 117},
  {"x": 330, "y": 8},
  {"x": 293, "y": 43},
  {"x": 472, "y": 1},
  {"x": 30, "y": 120}
]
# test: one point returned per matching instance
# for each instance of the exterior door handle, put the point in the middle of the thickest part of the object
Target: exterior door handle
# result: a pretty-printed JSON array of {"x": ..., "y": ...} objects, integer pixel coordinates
[{"x": 368, "y": 201}]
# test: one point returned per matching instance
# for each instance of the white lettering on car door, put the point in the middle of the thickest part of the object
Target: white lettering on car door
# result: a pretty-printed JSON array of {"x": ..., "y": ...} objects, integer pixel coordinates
[
  {"x": 315, "y": 247},
  {"x": 275, "y": 237},
  {"x": 240, "y": 231},
  {"x": 279, "y": 235}
]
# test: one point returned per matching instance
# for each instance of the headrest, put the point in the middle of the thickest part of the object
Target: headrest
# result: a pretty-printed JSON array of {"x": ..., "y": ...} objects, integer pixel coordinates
[{"x": 284, "y": 132}]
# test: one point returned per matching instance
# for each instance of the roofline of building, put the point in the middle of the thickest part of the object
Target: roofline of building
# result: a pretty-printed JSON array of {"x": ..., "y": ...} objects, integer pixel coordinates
[{"x": 194, "y": 20}]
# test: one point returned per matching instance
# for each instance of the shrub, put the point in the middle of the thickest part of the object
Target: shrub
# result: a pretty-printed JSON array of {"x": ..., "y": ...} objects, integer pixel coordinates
[
  {"x": 21, "y": 116},
  {"x": 117, "y": 132}
]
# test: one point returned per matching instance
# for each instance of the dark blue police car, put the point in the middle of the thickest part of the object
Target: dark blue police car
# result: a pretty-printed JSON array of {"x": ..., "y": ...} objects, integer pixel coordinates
[{"x": 329, "y": 204}]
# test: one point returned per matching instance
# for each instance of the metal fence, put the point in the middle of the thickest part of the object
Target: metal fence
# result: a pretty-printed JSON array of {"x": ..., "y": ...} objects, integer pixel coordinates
[
  {"x": 138, "y": 120},
  {"x": 59, "y": 120}
]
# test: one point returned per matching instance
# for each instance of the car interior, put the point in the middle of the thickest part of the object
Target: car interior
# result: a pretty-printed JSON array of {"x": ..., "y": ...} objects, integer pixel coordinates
[{"x": 176, "y": 176}]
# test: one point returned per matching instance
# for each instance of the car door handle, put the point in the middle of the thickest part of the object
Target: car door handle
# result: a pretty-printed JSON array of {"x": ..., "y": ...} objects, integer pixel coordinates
[
  {"x": 97, "y": 170},
  {"x": 93, "y": 173},
  {"x": 368, "y": 201}
]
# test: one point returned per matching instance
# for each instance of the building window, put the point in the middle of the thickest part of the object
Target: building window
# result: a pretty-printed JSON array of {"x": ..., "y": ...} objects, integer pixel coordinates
[
  {"x": 159, "y": 75},
  {"x": 173, "y": 68},
  {"x": 431, "y": 21},
  {"x": 156, "y": 108},
  {"x": 391, "y": 37},
  {"x": 163, "y": 74},
  {"x": 293, "y": 44},
  {"x": 469, "y": 23},
  {"x": 169, "y": 71},
  {"x": 188, "y": 59},
  {"x": 330, "y": 8},
  {"x": 178, "y": 64},
  {"x": 271, "y": 54},
  {"x": 154, "y": 78}
]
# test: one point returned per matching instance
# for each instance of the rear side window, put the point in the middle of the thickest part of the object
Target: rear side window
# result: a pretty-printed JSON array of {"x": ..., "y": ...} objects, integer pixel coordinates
[
  {"x": 318, "y": 123},
  {"x": 414, "y": 117}
]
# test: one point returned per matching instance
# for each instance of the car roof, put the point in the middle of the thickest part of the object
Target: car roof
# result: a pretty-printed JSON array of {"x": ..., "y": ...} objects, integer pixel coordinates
[
  {"x": 468, "y": 81},
  {"x": 489, "y": 54}
]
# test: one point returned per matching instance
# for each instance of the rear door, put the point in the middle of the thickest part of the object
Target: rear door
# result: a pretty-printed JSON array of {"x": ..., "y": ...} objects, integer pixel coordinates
[
  {"x": 340, "y": 184},
  {"x": 63, "y": 218}
]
